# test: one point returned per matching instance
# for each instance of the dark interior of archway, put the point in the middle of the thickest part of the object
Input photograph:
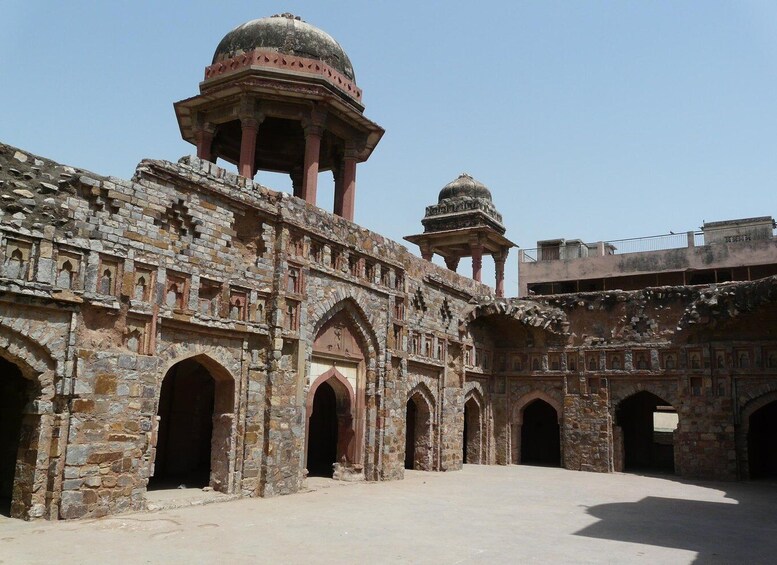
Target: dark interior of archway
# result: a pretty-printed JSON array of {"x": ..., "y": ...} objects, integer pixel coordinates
[
  {"x": 14, "y": 393},
  {"x": 185, "y": 428},
  {"x": 540, "y": 443},
  {"x": 644, "y": 449},
  {"x": 322, "y": 432},
  {"x": 761, "y": 446},
  {"x": 410, "y": 419},
  {"x": 471, "y": 432},
  {"x": 465, "y": 441}
]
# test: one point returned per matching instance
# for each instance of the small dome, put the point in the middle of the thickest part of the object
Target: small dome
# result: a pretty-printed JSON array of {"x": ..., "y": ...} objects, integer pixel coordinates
[
  {"x": 464, "y": 187},
  {"x": 285, "y": 33}
]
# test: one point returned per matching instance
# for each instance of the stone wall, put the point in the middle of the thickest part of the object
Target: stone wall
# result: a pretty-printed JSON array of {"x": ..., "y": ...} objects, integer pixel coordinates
[{"x": 107, "y": 286}]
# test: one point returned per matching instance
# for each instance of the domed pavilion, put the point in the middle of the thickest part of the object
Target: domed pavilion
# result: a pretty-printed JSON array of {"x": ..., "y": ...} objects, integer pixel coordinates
[
  {"x": 465, "y": 223},
  {"x": 280, "y": 95}
]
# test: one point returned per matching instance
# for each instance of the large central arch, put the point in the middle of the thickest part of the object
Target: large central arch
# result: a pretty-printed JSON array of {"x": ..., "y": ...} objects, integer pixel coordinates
[
  {"x": 330, "y": 424},
  {"x": 341, "y": 365}
]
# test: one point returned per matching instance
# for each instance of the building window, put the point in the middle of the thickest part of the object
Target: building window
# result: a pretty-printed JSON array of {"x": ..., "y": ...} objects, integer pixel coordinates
[
  {"x": 175, "y": 295},
  {"x": 670, "y": 361},
  {"x": 399, "y": 308},
  {"x": 17, "y": 260},
  {"x": 294, "y": 280},
  {"x": 291, "y": 320},
  {"x": 642, "y": 362},
  {"x": 238, "y": 305},
  {"x": 695, "y": 360},
  {"x": 317, "y": 251},
  {"x": 67, "y": 271},
  {"x": 397, "y": 337},
  {"x": 385, "y": 275},
  {"x": 208, "y": 300},
  {"x": 696, "y": 386},
  {"x": 144, "y": 279},
  {"x": 428, "y": 342},
  {"x": 109, "y": 277}
]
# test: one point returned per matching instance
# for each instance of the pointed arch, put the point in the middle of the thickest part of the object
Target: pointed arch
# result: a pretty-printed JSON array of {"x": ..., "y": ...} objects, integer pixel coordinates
[
  {"x": 473, "y": 428},
  {"x": 340, "y": 418},
  {"x": 422, "y": 391},
  {"x": 207, "y": 401},
  {"x": 363, "y": 322},
  {"x": 623, "y": 391},
  {"x": 419, "y": 429},
  {"x": 744, "y": 443},
  {"x": 27, "y": 417},
  {"x": 526, "y": 399}
]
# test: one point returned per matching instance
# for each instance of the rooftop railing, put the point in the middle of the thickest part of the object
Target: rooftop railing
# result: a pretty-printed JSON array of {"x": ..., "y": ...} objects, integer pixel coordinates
[{"x": 613, "y": 247}]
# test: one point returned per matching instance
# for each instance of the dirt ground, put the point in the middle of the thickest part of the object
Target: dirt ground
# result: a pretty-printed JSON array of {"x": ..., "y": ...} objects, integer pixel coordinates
[{"x": 478, "y": 515}]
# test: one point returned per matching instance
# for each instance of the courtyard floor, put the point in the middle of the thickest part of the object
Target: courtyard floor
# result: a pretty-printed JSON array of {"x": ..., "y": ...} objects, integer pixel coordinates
[{"x": 478, "y": 515}]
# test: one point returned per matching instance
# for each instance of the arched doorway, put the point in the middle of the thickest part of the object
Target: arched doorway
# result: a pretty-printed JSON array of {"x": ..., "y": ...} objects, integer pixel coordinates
[
  {"x": 15, "y": 393},
  {"x": 647, "y": 424},
  {"x": 472, "y": 432},
  {"x": 195, "y": 428},
  {"x": 418, "y": 434},
  {"x": 330, "y": 432},
  {"x": 761, "y": 445},
  {"x": 540, "y": 443},
  {"x": 322, "y": 438}
]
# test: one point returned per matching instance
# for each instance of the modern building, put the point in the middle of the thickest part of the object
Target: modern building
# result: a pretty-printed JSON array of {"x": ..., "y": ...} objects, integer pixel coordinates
[{"x": 731, "y": 250}]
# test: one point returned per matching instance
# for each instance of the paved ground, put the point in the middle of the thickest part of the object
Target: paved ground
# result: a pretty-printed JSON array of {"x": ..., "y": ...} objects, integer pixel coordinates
[{"x": 478, "y": 515}]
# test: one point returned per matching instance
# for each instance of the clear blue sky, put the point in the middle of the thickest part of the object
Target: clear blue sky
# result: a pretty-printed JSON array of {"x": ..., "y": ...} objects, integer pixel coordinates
[{"x": 592, "y": 120}]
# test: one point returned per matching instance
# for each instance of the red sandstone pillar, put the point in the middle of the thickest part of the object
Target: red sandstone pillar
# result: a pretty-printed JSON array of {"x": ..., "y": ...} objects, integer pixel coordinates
[
  {"x": 247, "y": 167},
  {"x": 499, "y": 261},
  {"x": 348, "y": 197},
  {"x": 452, "y": 263},
  {"x": 204, "y": 137},
  {"x": 313, "y": 133},
  {"x": 296, "y": 181},
  {"x": 477, "y": 260}
]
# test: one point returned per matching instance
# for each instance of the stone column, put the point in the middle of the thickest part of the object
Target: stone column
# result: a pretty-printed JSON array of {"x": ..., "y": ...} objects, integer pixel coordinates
[
  {"x": 313, "y": 126},
  {"x": 348, "y": 197},
  {"x": 204, "y": 136},
  {"x": 499, "y": 261},
  {"x": 477, "y": 260},
  {"x": 250, "y": 128},
  {"x": 426, "y": 252},
  {"x": 452, "y": 263}
]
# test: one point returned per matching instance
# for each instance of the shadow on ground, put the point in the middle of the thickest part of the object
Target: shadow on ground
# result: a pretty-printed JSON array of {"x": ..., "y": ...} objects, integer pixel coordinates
[{"x": 718, "y": 531}]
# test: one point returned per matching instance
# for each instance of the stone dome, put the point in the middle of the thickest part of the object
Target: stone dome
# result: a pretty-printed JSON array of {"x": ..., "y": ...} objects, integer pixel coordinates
[
  {"x": 288, "y": 34},
  {"x": 464, "y": 187}
]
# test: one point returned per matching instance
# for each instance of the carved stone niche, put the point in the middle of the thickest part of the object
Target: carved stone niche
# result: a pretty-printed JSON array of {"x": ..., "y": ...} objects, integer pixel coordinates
[{"x": 338, "y": 337}]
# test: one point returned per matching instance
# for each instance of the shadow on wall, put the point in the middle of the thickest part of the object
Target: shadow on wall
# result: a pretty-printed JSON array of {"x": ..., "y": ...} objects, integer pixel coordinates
[{"x": 717, "y": 532}]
